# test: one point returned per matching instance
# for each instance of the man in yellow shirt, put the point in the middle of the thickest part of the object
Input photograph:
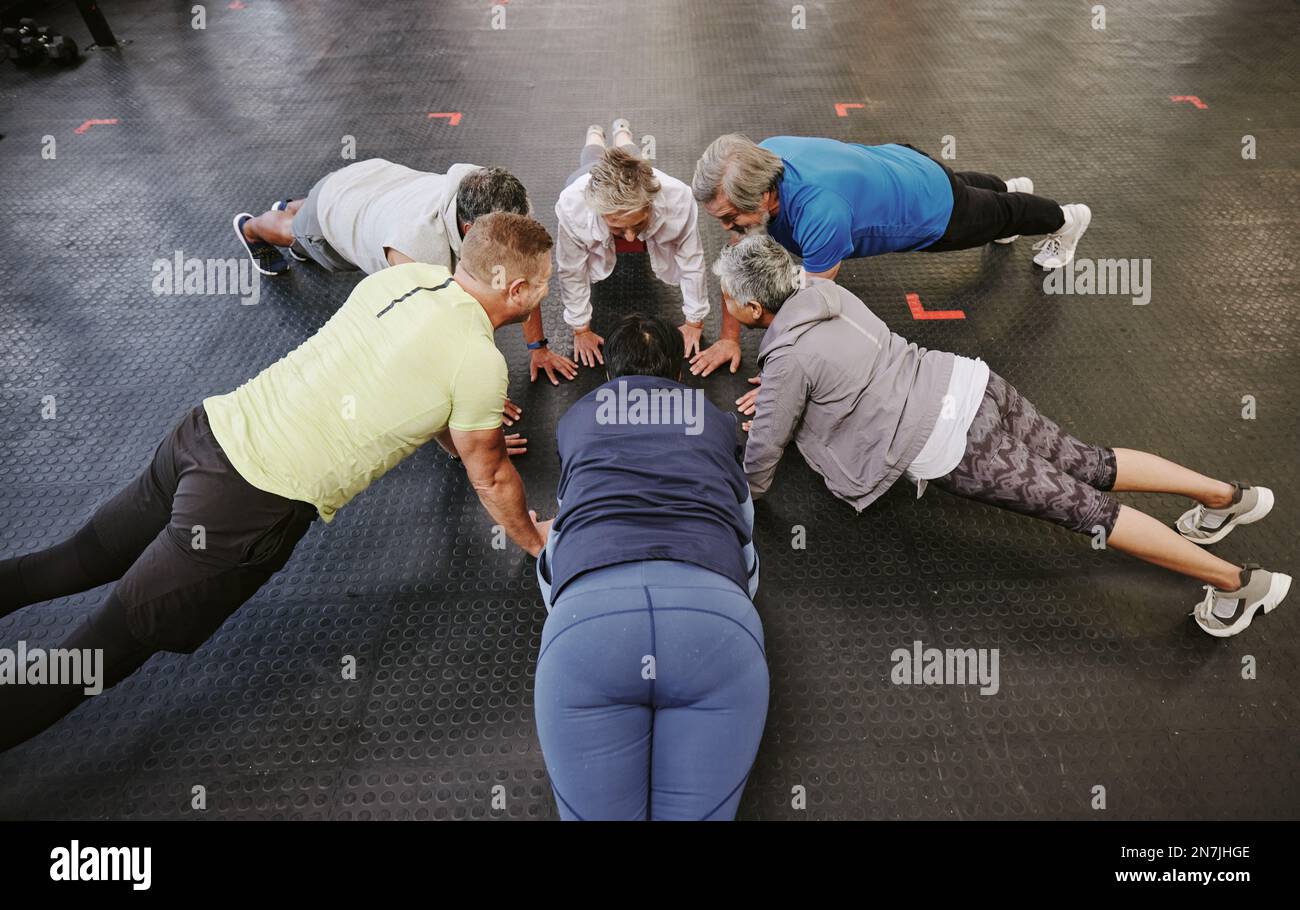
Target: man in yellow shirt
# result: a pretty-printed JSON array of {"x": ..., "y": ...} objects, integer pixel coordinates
[{"x": 408, "y": 358}]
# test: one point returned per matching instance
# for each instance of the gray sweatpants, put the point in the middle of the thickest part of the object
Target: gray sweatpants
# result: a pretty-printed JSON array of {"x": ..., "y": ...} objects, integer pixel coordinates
[{"x": 309, "y": 234}]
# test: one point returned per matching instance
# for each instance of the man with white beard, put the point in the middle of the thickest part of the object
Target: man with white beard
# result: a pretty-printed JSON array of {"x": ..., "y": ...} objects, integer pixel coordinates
[{"x": 827, "y": 201}]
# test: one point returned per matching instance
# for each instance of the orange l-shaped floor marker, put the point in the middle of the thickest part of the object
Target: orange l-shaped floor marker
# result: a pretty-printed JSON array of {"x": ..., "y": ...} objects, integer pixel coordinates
[
  {"x": 89, "y": 123},
  {"x": 920, "y": 312}
]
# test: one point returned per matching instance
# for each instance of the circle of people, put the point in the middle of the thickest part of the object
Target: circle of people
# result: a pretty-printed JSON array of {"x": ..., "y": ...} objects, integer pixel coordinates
[{"x": 651, "y": 682}]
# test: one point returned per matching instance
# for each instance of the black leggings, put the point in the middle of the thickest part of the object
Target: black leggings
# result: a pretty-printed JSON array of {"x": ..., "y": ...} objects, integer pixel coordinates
[
  {"x": 983, "y": 211},
  {"x": 188, "y": 542}
]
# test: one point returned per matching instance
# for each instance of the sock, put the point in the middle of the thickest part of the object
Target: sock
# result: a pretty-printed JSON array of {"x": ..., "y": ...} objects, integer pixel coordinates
[
  {"x": 1225, "y": 605},
  {"x": 1225, "y": 608}
]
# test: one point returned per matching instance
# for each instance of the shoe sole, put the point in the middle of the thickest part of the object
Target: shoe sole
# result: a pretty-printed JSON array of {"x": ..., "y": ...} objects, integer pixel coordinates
[
  {"x": 1070, "y": 258},
  {"x": 239, "y": 232},
  {"x": 1262, "y": 508},
  {"x": 1277, "y": 591}
]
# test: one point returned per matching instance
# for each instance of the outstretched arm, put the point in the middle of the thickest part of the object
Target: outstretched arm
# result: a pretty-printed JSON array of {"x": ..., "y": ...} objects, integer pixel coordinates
[
  {"x": 499, "y": 486},
  {"x": 779, "y": 408}
]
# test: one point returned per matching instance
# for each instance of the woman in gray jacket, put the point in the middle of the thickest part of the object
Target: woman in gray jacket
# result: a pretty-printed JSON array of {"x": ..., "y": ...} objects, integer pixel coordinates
[{"x": 865, "y": 407}]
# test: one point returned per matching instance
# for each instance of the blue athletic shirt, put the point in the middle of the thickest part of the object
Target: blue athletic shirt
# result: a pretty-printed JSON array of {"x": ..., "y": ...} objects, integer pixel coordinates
[
  {"x": 632, "y": 491},
  {"x": 840, "y": 200}
]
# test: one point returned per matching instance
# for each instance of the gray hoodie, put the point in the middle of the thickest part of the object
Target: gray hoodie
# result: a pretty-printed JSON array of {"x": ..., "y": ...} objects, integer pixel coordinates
[{"x": 859, "y": 401}]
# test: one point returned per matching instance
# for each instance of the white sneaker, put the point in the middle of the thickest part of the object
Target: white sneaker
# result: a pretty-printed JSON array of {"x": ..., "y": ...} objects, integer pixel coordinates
[
  {"x": 1016, "y": 185},
  {"x": 1057, "y": 250},
  {"x": 1206, "y": 526},
  {"x": 1225, "y": 613},
  {"x": 621, "y": 125}
]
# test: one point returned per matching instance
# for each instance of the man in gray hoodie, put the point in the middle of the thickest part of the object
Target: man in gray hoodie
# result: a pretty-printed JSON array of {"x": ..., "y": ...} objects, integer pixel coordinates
[{"x": 865, "y": 406}]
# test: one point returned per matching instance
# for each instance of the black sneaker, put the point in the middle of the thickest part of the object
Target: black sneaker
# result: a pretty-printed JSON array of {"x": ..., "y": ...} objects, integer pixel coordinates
[{"x": 266, "y": 258}]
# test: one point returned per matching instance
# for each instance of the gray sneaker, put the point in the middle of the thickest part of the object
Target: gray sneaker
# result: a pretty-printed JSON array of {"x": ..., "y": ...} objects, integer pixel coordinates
[
  {"x": 1225, "y": 613},
  {"x": 1206, "y": 526}
]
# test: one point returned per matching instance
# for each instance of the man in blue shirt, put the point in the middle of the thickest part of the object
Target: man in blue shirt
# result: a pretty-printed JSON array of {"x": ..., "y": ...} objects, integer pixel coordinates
[
  {"x": 652, "y": 682},
  {"x": 828, "y": 201}
]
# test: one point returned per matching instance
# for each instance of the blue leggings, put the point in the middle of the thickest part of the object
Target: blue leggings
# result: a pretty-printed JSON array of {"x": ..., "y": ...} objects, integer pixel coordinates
[{"x": 651, "y": 693}]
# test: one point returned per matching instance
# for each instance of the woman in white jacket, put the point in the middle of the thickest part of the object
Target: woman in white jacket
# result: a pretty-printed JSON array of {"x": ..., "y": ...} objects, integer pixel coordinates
[{"x": 616, "y": 202}]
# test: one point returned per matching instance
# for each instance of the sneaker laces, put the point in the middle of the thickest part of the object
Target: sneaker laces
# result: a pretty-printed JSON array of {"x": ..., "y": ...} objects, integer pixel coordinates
[
  {"x": 1205, "y": 609},
  {"x": 1051, "y": 243}
]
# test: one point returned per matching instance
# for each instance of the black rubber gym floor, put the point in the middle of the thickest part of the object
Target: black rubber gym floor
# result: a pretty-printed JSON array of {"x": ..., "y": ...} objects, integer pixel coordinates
[{"x": 1105, "y": 680}]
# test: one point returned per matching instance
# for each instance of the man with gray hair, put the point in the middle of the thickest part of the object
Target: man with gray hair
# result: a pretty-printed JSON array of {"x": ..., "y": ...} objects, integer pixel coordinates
[
  {"x": 867, "y": 407},
  {"x": 375, "y": 213},
  {"x": 828, "y": 201}
]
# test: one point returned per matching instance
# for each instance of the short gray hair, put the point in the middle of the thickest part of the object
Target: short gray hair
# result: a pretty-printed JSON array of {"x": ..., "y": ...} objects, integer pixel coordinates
[
  {"x": 740, "y": 169},
  {"x": 759, "y": 268},
  {"x": 490, "y": 189}
]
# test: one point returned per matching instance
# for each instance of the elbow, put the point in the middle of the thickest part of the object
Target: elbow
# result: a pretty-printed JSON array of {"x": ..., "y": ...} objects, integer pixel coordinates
[{"x": 488, "y": 483}]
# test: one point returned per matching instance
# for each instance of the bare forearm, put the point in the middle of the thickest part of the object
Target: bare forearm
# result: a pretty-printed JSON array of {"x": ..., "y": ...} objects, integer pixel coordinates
[
  {"x": 503, "y": 497},
  {"x": 533, "y": 329}
]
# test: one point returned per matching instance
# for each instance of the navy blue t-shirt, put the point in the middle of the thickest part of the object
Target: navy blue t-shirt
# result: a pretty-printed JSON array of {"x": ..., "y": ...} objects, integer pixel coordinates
[
  {"x": 840, "y": 200},
  {"x": 632, "y": 490}
]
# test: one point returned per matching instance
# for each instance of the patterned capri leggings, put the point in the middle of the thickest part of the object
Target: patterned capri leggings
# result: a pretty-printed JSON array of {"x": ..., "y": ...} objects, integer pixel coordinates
[{"x": 1018, "y": 459}]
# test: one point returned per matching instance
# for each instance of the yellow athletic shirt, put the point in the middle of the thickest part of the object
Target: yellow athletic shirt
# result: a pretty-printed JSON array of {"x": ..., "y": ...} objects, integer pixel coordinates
[{"x": 409, "y": 354}]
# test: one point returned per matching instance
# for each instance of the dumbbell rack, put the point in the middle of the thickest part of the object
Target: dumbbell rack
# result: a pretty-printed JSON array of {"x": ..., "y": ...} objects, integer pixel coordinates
[{"x": 29, "y": 44}]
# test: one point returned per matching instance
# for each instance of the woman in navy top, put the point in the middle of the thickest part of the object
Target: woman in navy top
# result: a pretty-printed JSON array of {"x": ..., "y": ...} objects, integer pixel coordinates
[{"x": 652, "y": 680}]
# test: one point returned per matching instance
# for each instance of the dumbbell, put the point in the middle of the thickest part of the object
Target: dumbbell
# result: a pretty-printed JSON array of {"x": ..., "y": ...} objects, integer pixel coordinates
[
  {"x": 22, "y": 40},
  {"x": 62, "y": 50},
  {"x": 29, "y": 52}
]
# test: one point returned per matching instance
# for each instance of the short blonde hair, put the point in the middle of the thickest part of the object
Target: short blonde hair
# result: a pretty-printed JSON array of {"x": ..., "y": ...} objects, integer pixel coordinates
[
  {"x": 517, "y": 244},
  {"x": 620, "y": 183}
]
